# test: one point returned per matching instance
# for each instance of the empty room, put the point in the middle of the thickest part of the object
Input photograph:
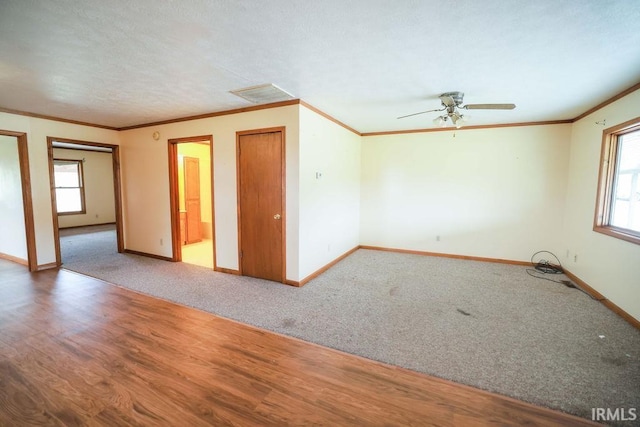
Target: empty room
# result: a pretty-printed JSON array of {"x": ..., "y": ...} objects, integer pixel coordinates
[{"x": 328, "y": 213}]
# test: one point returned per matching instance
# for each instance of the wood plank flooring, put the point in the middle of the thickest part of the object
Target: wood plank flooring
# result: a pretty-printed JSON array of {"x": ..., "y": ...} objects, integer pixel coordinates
[{"x": 78, "y": 351}]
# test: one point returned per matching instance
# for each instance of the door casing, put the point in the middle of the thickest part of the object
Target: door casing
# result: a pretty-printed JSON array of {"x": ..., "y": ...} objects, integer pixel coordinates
[
  {"x": 27, "y": 201},
  {"x": 115, "y": 156},
  {"x": 174, "y": 202}
]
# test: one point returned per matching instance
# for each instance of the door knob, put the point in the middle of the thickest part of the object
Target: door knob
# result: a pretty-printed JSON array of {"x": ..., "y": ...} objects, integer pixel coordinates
[{"x": 276, "y": 216}]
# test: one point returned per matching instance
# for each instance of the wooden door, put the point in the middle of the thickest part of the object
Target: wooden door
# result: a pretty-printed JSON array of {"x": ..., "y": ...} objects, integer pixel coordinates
[
  {"x": 192, "y": 199},
  {"x": 261, "y": 205}
]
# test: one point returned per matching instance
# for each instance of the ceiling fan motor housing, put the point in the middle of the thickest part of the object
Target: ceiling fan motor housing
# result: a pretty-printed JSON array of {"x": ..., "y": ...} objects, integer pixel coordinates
[{"x": 456, "y": 96}]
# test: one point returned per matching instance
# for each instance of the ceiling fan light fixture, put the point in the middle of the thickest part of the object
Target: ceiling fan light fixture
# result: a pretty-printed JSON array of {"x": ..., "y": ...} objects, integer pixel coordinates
[
  {"x": 462, "y": 120},
  {"x": 440, "y": 121},
  {"x": 456, "y": 118}
]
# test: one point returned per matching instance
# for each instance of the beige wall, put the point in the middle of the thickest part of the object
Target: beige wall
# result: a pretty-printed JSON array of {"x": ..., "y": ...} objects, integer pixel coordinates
[
  {"x": 329, "y": 202},
  {"x": 37, "y": 131},
  {"x": 13, "y": 241},
  {"x": 146, "y": 179},
  {"x": 496, "y": 193},
  {"x": 320, "y": 227},
  {"x": 98, "y": 188},
  {"x": 609, "y": 265}
]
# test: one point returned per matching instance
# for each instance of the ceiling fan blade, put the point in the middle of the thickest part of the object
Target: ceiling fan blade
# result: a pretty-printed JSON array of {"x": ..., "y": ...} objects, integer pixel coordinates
[
  {"x": 489, "y": 106},
  {"x": 421, "y": 112}
]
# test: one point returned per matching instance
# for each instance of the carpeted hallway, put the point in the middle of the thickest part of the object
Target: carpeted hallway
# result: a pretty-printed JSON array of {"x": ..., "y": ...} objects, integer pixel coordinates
[{"x": 487, "y": 325}]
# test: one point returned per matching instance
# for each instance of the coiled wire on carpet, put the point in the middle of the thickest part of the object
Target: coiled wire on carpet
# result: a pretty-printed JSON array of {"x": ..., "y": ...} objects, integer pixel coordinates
[{"x": 545, "y": 267}]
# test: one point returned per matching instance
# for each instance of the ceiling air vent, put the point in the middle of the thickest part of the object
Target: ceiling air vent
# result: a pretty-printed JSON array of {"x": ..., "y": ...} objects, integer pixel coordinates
[{"x": 263, "y": 94}]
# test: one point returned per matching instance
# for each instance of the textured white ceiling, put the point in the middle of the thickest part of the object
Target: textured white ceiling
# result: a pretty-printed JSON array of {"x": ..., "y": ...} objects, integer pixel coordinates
[{"x": 365, "y": 62}]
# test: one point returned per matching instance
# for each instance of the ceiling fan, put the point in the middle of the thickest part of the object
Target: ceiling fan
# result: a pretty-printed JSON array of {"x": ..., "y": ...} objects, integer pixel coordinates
[{"x": 452, "y": 103}]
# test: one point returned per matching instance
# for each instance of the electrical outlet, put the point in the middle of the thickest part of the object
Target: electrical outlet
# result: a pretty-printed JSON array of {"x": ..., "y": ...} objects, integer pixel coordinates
[
  {"x": 575, "y": 258},
  {"x": 437, "y": 238},
  {"x": 161, "y": 242}
]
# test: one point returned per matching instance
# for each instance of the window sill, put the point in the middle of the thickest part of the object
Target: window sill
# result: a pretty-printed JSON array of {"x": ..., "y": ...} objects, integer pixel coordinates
[
  {"x": 619, "y": 233},
  {"x": 72, "y": 213}
]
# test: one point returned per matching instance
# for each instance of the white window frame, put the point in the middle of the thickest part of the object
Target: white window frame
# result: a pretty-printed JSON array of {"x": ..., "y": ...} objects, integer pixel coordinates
[{"x": 83, "y": 208}]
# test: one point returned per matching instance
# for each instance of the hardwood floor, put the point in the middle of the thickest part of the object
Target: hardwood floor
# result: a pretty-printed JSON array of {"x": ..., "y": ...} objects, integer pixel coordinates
[{"x": 78, "y": 351}]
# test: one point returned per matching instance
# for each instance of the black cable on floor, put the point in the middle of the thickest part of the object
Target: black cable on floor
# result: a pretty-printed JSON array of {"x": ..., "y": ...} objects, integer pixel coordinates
[{"x": 544, "y": 266}]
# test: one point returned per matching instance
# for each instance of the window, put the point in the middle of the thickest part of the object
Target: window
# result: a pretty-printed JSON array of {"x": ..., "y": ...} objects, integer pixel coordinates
[
  {"x": 69, "y": 183},
  {"x": 618, "y": 203}
]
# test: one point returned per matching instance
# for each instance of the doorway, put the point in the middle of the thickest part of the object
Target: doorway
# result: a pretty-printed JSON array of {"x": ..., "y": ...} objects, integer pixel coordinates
[
  {"x": 191, "y": 199},
  {"x": 97, "y": 174},
  {"x": 16, "y": 207},
  {"x": 261, "y": 203}
]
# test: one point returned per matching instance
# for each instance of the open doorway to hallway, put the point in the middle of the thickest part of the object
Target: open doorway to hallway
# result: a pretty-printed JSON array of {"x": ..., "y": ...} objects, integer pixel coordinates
[{"x": 191, "y": 174}]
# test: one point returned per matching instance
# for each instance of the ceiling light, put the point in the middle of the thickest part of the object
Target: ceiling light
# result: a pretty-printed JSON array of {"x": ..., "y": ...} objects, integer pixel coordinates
[
  {"x": 462, "y": 121},
  {"x": 263, "y": 94},
  {"x": 440, "y": 121}
]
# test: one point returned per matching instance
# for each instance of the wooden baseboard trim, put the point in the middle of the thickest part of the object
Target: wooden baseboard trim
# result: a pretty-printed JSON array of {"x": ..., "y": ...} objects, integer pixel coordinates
[
  {"x": 584, "y": 286},
  {"x": 48, "y": 266},
  {"x": 292, "y": 283},
  {"x": 87, "y": 225},
  {"x": 442, "y": 255},
  {"x": 160, "y": 257},
  {"x": 588, "y": 289},
  {"x": 227, "y": 271},
  {"x": 15, "y": 259},
  {"x": 322, "y": 269},
  {"x": 606, "y": 302},
  {"x": 307, "y": 279}
]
